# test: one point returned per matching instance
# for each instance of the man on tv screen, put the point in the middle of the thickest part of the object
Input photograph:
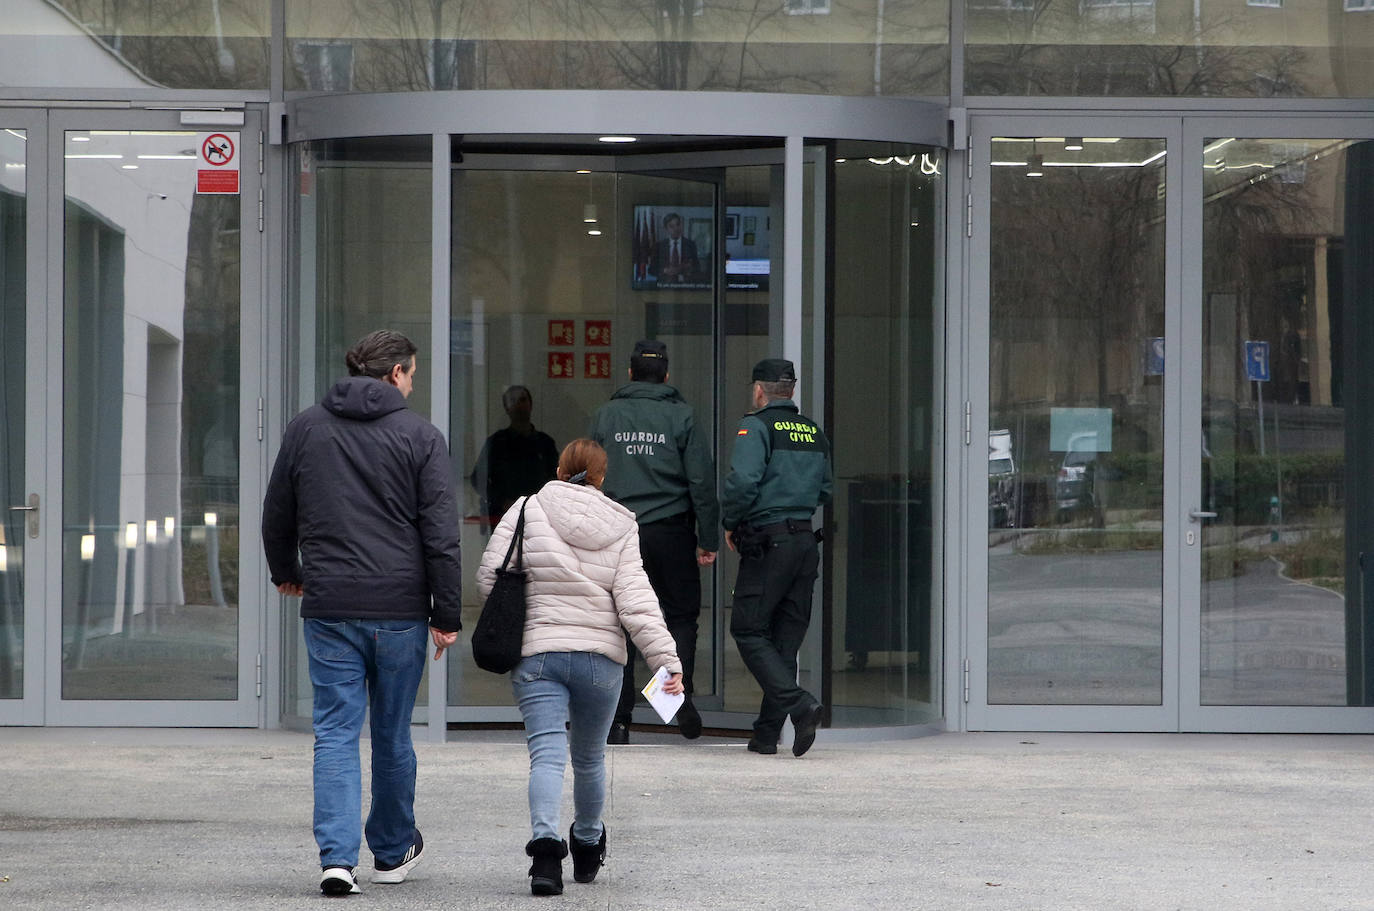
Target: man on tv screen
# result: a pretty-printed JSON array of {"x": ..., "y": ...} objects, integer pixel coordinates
[{"x": 675, "y": 256}]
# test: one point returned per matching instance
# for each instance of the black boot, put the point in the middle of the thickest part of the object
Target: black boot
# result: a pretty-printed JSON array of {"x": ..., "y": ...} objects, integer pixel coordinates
[
  {"x": 587, "y": 859},
  {"x": 547, "y": 870}
]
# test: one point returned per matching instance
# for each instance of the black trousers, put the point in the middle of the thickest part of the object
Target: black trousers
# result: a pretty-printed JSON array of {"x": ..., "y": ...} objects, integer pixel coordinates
[
  {"x": 669, "y": 549},
  {"x": 771, "y": 612}
]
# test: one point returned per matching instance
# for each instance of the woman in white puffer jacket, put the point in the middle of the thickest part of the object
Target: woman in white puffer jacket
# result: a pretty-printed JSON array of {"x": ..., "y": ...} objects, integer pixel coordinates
[{"x": 585, "y": 580}]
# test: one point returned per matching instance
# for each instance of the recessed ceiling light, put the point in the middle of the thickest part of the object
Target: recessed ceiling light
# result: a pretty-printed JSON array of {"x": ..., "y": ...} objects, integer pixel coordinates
[
  {"x": 617, "y": 139},
  {"x": 584, "y": 171},
  {"x": 594, "y": 232},
  {"x": 129, "y": 167},
  {"x": 81, "y": 139}
]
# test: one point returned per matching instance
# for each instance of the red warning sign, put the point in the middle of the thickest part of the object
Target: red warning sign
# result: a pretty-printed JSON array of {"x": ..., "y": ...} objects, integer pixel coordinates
[{"x": 219, "y": 164}]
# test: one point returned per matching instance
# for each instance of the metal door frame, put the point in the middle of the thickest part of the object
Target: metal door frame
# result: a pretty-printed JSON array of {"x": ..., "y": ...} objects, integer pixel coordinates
[
  {"x": 979, "y": 714},
  {"x": 246, "y": 709},
  {"x": 28, "y": 709}
]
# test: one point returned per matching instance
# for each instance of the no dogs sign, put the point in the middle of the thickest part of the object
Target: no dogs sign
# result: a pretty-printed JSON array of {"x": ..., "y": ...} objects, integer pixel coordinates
[{"x": 218, "y": 169}]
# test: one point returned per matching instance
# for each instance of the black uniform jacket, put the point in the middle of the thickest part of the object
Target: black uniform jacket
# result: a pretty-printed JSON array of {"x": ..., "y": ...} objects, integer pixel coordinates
[{"x": 363, "y": 490}]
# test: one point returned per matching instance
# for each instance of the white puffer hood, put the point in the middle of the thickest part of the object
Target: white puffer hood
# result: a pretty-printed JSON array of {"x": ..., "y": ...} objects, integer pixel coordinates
[
  {"x": 585, "y": 585},
  {"x": 583, "y": 516}
]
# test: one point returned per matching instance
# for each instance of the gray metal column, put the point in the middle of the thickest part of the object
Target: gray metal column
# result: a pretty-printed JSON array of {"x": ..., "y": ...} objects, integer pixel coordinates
[{"x": 440, "y": 303}]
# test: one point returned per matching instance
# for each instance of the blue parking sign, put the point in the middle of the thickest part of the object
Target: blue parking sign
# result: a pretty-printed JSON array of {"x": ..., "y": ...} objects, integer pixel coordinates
[{"x": 1257, "y": 361}]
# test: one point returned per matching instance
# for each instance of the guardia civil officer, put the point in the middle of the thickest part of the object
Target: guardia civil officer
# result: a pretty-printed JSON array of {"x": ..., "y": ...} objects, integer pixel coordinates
[
  {"x": 779, "y": 474},
  {"x": 659, "y": 465}
]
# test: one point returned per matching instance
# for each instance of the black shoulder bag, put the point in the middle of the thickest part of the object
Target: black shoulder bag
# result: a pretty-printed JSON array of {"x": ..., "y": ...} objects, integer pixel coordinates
[{"x": 501, "y": 628}]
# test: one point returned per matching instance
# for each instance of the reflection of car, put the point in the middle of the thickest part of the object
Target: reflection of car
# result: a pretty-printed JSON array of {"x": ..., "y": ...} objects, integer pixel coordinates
[
  {"x": 1001, "y": 480},
  {"x": 1074, "y": 486}
]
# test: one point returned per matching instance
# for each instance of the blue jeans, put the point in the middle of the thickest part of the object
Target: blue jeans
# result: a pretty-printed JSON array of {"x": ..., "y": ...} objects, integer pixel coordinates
[
  {"x": 357, "y": 665},
  {"x": 579, "y": 690}
]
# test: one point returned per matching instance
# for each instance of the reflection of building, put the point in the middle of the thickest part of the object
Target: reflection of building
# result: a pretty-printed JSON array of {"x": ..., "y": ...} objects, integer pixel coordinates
[{"x": 945, "y": 253}]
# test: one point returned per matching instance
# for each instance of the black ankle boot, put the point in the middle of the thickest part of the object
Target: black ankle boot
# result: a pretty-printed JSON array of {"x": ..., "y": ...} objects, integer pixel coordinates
[
  {"x": 587, "y": 859},
  {"x": 547, "y": 870}
]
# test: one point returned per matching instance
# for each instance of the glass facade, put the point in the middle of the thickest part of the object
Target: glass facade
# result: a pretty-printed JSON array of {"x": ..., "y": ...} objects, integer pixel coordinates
[
  {"x": 874, "y": 47},
  {"x": 1141, "y": 48},
  {"x": 1089, "y": 605},
  {"x": 136, "y": 44},
  {"x": 1214, "y": 48}
]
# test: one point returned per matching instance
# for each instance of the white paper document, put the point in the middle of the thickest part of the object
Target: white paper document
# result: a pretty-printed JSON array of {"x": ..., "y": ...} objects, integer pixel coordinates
[{"x": 666, "y": 705}]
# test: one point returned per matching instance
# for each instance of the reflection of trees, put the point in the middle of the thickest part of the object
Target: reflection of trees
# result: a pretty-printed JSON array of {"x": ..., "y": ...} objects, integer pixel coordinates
[
  {"x": 1077, "y": 269},
  {"x": 415, "y": 51},
  {"x": 730, "y": 45},
  {"x": 1077, "y": 290},
  {"x": 184, "y": 43},
  {"x": 1054, "y": 47}
]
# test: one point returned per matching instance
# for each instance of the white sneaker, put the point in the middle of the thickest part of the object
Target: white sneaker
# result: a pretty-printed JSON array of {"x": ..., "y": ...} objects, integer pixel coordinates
[
  {"x": 396, "y": 873},
  {"x": 339, "y": 881}
]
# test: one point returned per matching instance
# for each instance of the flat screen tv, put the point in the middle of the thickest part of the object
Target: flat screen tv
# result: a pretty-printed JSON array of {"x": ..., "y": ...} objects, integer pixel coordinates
[{"x": 674, "y": 247}]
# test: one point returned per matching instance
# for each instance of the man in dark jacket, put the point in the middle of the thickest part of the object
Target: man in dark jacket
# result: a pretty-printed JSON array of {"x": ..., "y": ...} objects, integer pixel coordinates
[
  {"x": 659, "y": 465},
  {"x": 779, "y": 474},
  {"x": 360, "y": 521}
]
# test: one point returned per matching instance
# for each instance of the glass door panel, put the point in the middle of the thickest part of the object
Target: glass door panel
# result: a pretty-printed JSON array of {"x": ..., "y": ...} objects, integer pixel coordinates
[
  {"x": 152, "y": 407},
  {"x": 1285, "y": 294},
  {"x": 21, "y": 521},
  {"x": 888, "y": 204},
  {"x": 1075, "y": 628},
  {"x": 1075, "y": 560}
]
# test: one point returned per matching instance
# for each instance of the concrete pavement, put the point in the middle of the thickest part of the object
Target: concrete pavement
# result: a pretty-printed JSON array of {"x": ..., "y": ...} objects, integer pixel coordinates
[{"x": 189, "y": 819}]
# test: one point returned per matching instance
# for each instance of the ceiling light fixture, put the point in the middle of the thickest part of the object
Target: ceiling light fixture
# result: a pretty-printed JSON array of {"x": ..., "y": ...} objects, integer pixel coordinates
[
  {"x": 617, "y": 139},
  {"x": 1073, "y": 144}
]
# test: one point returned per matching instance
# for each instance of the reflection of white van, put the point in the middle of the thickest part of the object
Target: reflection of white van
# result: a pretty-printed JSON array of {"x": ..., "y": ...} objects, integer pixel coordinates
[
  {"x": 1073, "y": 487},
  {"x": 1001, "y": 480}
]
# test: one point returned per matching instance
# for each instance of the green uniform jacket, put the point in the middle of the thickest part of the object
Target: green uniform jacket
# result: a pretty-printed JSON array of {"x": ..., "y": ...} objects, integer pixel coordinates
[
  {"x": 780, "y": 468},
  {"x": 657, "y": 463}
]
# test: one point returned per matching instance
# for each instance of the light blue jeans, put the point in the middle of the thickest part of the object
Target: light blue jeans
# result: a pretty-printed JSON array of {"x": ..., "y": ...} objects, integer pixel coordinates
[
  {"x": 356, "y": 665},
  {"x": 568, "y": 700}
]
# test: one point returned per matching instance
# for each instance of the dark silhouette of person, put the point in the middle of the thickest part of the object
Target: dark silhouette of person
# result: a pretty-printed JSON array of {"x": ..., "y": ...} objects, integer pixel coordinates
[
  {"x": 514, "y": 461},
  {"x": 675, "y": 256}
]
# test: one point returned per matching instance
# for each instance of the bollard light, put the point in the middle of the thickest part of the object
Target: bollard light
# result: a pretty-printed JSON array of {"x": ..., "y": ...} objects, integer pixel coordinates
[
  {"x": 151, "y": 531},
  {"x": 4, "y": 559},
  {"x": 87, "y": 548},
  {"x": 169, "y": 526},
  {"x": 211, "y": 519},
  {"x": 131, "y": 535}
]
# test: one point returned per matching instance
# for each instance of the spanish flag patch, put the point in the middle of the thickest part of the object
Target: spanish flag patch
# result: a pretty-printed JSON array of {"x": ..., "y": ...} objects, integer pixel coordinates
[{"x": 742, "y": 433}]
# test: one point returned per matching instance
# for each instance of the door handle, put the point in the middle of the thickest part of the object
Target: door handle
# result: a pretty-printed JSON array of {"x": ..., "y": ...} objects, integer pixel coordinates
[
  {"x": 1197, "y": 515},
  {"x": 32, "y": 518}
]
